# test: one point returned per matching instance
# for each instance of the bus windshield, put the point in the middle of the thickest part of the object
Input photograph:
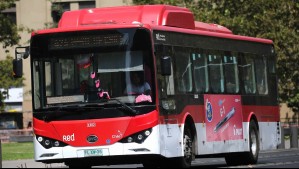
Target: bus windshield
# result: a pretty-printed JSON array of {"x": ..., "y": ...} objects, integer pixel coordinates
[{"x": 92, "y": 67}]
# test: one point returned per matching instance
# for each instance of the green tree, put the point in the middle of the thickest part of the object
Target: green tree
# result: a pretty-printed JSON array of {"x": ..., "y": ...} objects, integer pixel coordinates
[
  {"x": 2, "y": 98},
  {"x": 7, "y": 80},
  {"x": 273, "y": 19},
  {"x": 8, "y": 37},
  {"x": 8, "y": 29}
]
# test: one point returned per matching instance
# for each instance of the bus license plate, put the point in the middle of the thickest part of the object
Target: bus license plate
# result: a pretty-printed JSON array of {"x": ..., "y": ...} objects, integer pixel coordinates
[{"x": 93, "y": 152}]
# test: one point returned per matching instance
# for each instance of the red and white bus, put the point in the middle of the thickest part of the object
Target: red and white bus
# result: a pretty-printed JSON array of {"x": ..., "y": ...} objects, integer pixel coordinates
[{"x": 213, "y": 93}]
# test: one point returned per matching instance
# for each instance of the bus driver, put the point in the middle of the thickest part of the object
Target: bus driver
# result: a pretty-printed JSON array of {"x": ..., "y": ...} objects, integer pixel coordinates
[{"x": 137, "y": 86}]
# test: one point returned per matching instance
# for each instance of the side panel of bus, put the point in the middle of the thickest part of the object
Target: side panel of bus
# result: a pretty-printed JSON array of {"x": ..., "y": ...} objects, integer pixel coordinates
[{"x": 222, "y": 118}]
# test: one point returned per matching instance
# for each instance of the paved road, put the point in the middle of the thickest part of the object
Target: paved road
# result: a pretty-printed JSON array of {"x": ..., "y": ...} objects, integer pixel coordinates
[
  {"x": 264, "y": 161},
  {"x": 283, "y": 158},
  {"x": 29, "y": 164},
  {"x": 33, "y": 164}
]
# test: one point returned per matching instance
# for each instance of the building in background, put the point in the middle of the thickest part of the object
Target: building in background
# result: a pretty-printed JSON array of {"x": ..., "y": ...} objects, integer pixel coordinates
[
  {"x": 36, "y": 15},
  {"x": 12, "y": 117},
  {"x": 39, "y": 14}
]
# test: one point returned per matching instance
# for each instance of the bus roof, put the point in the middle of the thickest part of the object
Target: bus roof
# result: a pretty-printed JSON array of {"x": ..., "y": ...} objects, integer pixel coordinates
[{"x": 161, "y": 17}]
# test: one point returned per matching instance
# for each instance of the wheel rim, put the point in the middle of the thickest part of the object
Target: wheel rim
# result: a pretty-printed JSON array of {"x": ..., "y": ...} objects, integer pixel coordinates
[
  {"x": 253, "y": 146},
  {"x": 187, "y": 148}
]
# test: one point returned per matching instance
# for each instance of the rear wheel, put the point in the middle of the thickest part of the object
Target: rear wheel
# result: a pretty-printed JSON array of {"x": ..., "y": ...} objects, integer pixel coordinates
[
  {"x": 254, "y": 144},
  {"x": 250, "y": 157}
]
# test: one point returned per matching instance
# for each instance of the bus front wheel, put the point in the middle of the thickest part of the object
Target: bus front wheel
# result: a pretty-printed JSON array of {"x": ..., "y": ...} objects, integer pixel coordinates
[
  {"x": 250, "y": 157},
  {"x": 188, "y": 147}
]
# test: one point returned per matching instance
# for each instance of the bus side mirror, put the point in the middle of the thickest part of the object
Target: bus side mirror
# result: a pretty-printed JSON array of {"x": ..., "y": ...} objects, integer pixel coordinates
[
  {"x": 20, "y": 54},
  {"x": 166, "y": 66},
  {"x": 17, "y": 68}
]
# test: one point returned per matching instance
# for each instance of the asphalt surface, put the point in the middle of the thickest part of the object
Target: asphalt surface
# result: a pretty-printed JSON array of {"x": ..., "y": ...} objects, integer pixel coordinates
[
  {"x": 29, "y": 164},
  {"x": 32, "y": 164}
]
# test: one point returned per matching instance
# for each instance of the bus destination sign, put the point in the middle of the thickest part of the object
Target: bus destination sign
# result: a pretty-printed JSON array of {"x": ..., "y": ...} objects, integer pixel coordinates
[{"x": 87, "y": 41}]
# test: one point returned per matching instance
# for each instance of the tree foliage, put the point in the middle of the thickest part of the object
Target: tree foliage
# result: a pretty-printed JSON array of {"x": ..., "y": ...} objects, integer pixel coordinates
[
  {"x": 273, "y": 19},
  {"x": 277, "y": 20},
  {"x": 7, "y": 80},
  {"x": 8, "y": 29},
  {"x": 8, "y": 37},
  {"x": 6, "y": 77}
]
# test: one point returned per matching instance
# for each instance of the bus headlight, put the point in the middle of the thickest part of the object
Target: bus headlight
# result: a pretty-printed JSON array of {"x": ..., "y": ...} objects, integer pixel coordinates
[
  {"x": 130, "y": 140},
  {"x": 49, "y": 143},
  {"x": 56, "y": 143},
  {"x": 40, "y": 139},
  {"x": 147, "y": 133},
  {"x": 139, "y": 137}
]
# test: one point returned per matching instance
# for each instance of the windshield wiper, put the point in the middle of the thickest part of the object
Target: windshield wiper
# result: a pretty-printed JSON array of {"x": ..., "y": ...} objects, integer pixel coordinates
[
  {"x": 73, "y": 107},
  {"x": 61, "y": 111},
  {"x": 126, "y": 108}
]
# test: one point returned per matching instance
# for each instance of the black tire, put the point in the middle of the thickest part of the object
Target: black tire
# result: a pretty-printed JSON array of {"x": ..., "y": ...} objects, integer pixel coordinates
[
  {"x": 254, "y": 138},
  {"x": 179, "y": 162},
  {"x": 188, "y": 143},
  {"x": 250, "y": 157}
]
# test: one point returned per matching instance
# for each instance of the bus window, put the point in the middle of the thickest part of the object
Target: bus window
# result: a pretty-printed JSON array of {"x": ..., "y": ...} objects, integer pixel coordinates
[
  {"x": 170, "y": 84},
  {"x": 183, "y": 70},
  {"x": 36, "y": 85},
  {"x": 216, "y": 73},
  {"x": 231, "y": 73},
  {"x": 261, "y": 75},
  {"x": 68, "y": 71},
  {"x": 48, "y": 78},
  {"x": 200, "y": 73},
  {"x": 271, "y": 65},
  {"x": 248, "y": 75}
]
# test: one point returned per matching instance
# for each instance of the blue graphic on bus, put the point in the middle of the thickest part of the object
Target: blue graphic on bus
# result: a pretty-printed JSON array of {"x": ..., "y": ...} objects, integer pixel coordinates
[{"x": 209, "y": 112}]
